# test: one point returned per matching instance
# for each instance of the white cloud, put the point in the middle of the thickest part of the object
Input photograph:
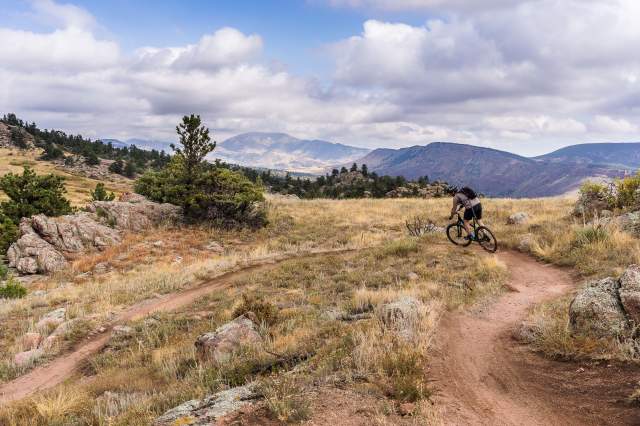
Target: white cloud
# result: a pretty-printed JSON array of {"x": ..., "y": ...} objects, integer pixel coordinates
[{"x": 521, "y": 76}]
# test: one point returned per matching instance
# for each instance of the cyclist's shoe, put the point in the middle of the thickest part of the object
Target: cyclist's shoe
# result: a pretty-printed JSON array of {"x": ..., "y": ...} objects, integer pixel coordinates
[{"x": 470, "y": 238}]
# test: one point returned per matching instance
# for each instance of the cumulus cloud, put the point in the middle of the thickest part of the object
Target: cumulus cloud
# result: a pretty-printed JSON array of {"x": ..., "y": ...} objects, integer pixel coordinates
[{"x": 522, "y": 76}]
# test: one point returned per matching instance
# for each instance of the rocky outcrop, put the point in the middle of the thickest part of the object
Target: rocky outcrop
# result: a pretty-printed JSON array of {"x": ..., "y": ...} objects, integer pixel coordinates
[
  {"x": 52, "y": 319},
  {"x": 45, "y": 243},
  {"x": 31, "y": 255},
  {"x": 630, "y": 293},
  {"x": 210, "y": 409},
  {"x": 136, "y": 216},
  {"x": 23, "y": 359},
  {"x": 518, "y": 218},
  {"x": 228, "y": 339},
  {"x": 608, "y": 307},
  {"x": 9, "y": 134}
]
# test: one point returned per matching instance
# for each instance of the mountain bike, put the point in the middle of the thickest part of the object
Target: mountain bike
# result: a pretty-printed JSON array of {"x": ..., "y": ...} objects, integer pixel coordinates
[{"x": 459, "y": 236}]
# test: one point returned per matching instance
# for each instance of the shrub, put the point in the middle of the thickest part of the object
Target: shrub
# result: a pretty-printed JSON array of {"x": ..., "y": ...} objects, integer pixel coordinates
[
  {"x": 101, "y": 194},
  {"x": 206, "y": 192},
  {"x": 8, "y": 233},
  {"x": 12, "y": 289},
  {"x": 627, "y": 195},
  {"x": 17, "y": 137},
  {"x": 117, "y": 167},
  {"x": 284, "y": 399},
  {"x": 594, "y": 197},
  {"x": 265, "y": 312},
  {"x": 30, "y": 194},
  {"x": 51, "y": 152},
  {"x": 91, "y": 158},
  {"x": 590, "y": 235},
  {"x": 3, "y": 271}
]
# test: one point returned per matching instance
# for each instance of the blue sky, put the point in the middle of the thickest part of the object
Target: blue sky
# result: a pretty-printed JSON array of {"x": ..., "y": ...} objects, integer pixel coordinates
[{"x": 522, "y": 75}]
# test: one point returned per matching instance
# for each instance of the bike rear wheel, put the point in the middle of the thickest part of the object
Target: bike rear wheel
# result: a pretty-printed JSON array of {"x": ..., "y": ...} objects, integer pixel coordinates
[
  {"x": 458, "y": 235},
  {"x": 485, "y": 238}
]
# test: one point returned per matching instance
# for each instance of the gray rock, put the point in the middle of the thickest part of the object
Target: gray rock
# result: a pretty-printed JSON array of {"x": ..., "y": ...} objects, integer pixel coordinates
[
  {"x": 402, "y": 315},
  {"x": 518, "y": 218},
  {"x": 23, "y": 359},
  {"x": 221, "y": 344},
  {"x": 130, "y": 197},
  {"x": 208, "y": 410},
  {"x": 55, "y": 317},
  {"x": 32, "y": 255},
  {"x": 629, "y": 222},
  {"x": 525, "y": 243},
  {"x": 412, "y": 276},
  {"x": 597, "y": 309},
  {"x": 137, "y": 216},
  {"x": 74, "y": 233},
  {"x": 630, "y": 293}
]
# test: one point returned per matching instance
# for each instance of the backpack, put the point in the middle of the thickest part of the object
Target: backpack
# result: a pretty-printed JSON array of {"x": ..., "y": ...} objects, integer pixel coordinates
[{"x": 468, "y": 192}]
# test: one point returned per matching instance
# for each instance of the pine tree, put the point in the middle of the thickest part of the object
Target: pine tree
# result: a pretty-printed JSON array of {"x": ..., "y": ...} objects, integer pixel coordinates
[
  {"x": 101, "y": 194},
  {"x": 195, "y": 143}
]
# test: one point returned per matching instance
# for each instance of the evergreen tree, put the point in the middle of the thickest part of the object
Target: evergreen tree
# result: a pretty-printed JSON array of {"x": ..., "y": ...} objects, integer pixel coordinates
[
  {"x": 354, "y": 167},
  {"x": 365, "y": 170},
  {"x": 195, "y": 144},
  {"x": 129, "y": 170},
  {"x": 101, "y": 194}
]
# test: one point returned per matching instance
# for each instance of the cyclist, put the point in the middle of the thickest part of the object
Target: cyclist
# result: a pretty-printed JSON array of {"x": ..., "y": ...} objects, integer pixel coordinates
[{"x": 467, "y": 198}]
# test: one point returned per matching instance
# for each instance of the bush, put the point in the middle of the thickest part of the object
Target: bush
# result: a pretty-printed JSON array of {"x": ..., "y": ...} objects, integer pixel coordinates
[
  {"x": 30, "y": 194},
  {"x": 12, "y": 290},
  {"x": 101, "y": 194},
  {"x": 265, "y": 312},
  {"x": 594, "y": 197},
  {"x": 51, "y": 152},
  {"x": 206, "y": 192},
  {"x": 8, "y": 233},
  {"x": 117, "y": 167},
  {"x": 627, "y": 191}
]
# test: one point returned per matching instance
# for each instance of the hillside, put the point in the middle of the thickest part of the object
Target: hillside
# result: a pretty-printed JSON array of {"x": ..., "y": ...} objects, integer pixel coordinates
[
  {"x": 490, "y": 171},
  {"x": 623, "y": 155},
  {"x": 281, "y": 151}
]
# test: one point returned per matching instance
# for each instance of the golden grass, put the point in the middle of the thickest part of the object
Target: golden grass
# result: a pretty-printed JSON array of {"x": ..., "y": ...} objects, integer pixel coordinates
[{"x": 78, "y": 187}]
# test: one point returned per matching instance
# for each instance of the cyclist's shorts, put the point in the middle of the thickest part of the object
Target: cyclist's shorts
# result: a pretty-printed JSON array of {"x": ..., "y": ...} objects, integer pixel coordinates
[{"x": 473, "y": 211}]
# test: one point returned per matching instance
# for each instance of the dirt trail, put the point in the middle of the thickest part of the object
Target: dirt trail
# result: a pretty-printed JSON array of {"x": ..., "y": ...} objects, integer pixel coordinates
[
  {"x": 482, "y": 375},
  {"x": 61, "y": 368}
]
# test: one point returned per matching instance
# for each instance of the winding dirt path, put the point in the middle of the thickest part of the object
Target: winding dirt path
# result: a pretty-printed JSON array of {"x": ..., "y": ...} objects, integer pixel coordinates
[
  {"x": 484, "y": 377},
  {"x": 61, "y": 368}
]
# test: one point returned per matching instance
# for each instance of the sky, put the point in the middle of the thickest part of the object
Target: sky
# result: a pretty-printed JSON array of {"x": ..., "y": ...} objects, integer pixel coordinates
[{"x": 526, "y": 76}]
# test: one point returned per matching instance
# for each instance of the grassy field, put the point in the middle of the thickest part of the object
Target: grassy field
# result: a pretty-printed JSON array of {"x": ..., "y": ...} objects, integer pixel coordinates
[
  {"x": 78, "y": 187},
  {"x": 136, "y": 380}
]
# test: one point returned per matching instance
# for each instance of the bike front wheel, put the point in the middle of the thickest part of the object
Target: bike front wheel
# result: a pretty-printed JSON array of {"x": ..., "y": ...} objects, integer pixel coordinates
[
  {"x": 458, "y": 235},
  {"x": 485, "y": 238}
]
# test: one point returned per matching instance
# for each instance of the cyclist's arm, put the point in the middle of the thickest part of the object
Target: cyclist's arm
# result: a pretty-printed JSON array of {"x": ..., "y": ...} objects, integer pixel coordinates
[{"x": 456, "y": 203}]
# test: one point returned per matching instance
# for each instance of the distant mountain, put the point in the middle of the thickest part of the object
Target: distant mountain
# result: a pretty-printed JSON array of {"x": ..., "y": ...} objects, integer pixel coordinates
[
  {"x": 489, "y": 171},
  {"x": 140, "y": 143},
  {"x": 625, "y": 155},
  {"x": 281, "y": 151}
]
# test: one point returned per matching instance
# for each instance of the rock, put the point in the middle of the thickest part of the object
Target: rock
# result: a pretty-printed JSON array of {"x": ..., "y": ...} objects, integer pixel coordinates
[
  {"x": 122, "y": 331},
  {"x": 591, "y": 204},
  {"x": 120, "y": 336},
  {"x": 130, "y": 197},
  {"x": 525, "y": 243},
  {"x": 406, "y": 408},
  {"x": 402, "y": 315},
  {"x": 412, "y": 276},
  {"x": 629, "y": 222},
  {"x": 101, "y": 268},
  {"x": 30, "y": 340},
  {"x": 74, "y": 233},
  {"x": 606, "y": 213},
  {"x": 597, "y": 310},
  {"x": 137, "y": 216},
  {"x": 208, "y": 410},
  {"x": 23, "y": 359},
  {"x": 53, "y": 318},
  {"x": 219, "y": 345},
  {"x": 214, "y": 247},
  {"x": 630, "y": 293},
  {"x": 518, "y": 218},
  {"x": 32, "y": 255},
  {"x": 158, "y": 243}
]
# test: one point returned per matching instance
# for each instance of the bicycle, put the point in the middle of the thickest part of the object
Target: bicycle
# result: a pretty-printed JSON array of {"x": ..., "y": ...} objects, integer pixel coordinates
[{"x": 457, "y": 234}]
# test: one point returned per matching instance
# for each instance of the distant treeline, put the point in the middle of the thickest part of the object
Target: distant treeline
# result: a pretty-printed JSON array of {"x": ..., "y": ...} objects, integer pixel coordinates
[
  {"x": 344, "y": 183},
  {"x": 57, "y": 143}
]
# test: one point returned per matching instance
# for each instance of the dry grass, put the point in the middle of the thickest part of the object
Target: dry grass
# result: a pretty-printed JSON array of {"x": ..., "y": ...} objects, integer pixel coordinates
[{"x": 78, "y": 187}]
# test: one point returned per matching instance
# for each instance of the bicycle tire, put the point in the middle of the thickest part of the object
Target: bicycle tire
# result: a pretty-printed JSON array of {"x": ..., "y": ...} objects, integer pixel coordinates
[
  {"x": 486, "y": 239},
  {"x": 458, "y": 235}
]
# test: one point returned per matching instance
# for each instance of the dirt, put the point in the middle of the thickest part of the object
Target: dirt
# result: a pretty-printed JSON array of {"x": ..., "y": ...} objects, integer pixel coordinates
[
  {"x": 483, "y": 376},
  {"x": 58, "y": 370}
]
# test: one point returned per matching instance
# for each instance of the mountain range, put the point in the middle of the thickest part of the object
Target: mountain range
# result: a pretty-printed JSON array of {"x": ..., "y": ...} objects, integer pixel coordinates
[
  {"x": 490, "y": 171},
  {"x": 500, "y": 173}
]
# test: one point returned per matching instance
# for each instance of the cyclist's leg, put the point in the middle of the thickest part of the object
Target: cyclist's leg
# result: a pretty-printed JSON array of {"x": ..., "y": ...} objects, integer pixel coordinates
[{"x": 478, "y": 214}]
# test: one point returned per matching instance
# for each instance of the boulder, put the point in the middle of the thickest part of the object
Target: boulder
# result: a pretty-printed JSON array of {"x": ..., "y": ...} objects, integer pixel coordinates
[
  {"x": 74, "y": 233},
  {"x": 136, "y": 216},
  {"x": 210, "y": 409},
  {"x": 32, "y": 255},
  {"x": 53, "y": 318},
  {"x": 629, "y": 222},
  {"x": 220, "y": 345},
  {"x": 630, "y": 293},
  {"x": 597, "y": 309},
  {"x": 518, "y": 218},
  {"x": 402, "y": 315},
  {"x": 23, "y": 359},
  {"x": 131, "y": 197},
  {"x": 412, "y": 276},
  {"x": 525, "y": 243}
]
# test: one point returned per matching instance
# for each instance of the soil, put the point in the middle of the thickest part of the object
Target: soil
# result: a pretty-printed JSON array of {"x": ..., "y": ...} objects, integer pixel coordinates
[{"x": 483, "y": 376}]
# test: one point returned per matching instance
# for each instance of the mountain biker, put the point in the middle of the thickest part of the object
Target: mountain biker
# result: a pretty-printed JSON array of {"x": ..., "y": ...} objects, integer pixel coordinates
[{"x": 467, "y": 198}]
